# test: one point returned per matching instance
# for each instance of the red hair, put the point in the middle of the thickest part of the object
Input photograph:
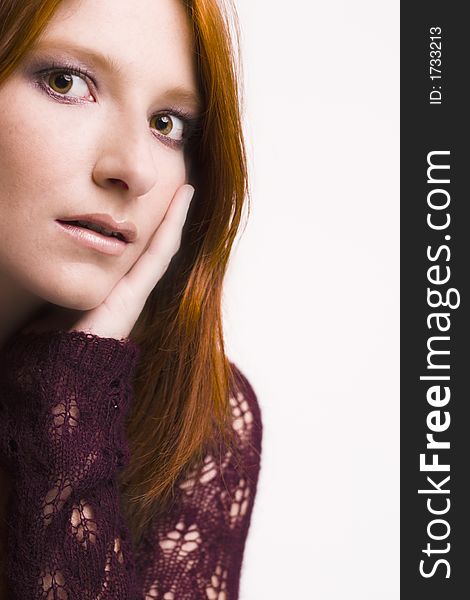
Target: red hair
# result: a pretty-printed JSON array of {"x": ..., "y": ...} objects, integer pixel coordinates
[{"x": 184, "y": 378}]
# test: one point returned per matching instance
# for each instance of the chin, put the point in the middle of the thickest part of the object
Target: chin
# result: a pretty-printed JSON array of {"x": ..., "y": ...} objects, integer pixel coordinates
[
  {"x": 82, "y": 300},
  {"x": 76, "y": 294}
]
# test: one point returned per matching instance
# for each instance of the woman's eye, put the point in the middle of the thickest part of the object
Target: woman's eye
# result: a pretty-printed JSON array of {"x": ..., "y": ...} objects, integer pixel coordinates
[
  {"x": 62, "y": 82},
  {"x": 167, "y": 124},
  {"x": 71, "y": 83}
]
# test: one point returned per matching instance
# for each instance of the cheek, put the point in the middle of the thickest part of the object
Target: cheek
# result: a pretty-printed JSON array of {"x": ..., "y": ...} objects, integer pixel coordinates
[
  {"x": 29, "y": 134},
  {"x": 39, "y": 173}
]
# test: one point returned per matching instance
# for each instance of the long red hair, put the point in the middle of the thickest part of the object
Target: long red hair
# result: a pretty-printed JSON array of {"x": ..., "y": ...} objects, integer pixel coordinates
[{"x": 184, "y": 378}]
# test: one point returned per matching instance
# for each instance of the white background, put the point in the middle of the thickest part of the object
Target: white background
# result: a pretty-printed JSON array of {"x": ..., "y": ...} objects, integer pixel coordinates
[{"x": 312, "y": 296}]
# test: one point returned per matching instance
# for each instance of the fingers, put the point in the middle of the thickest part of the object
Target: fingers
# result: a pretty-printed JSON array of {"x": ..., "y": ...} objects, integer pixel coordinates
[
  {"x": 137, "y": 284},
  {"x": 167, "y": 239}
]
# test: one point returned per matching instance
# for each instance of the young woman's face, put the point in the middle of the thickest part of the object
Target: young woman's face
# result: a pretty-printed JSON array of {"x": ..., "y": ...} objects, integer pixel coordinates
[{"x": 106, "y": 143}]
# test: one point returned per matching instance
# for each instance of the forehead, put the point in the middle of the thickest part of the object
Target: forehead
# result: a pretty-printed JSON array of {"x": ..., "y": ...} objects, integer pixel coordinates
[{"x": 152, "y": 38}]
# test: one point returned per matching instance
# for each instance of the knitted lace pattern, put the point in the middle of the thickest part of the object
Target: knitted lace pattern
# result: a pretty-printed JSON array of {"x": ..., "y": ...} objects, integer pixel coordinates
[{"x": 64, "y": 397}]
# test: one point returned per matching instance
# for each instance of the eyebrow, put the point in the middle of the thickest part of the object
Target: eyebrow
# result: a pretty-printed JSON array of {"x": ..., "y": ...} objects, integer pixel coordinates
[{"x": 110, "y": 64}]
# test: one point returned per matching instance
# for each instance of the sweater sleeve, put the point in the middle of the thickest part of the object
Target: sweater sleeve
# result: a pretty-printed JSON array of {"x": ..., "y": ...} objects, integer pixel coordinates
[
  {"x": 195, "y": 551},
  {"x": 63, "y": 401}
]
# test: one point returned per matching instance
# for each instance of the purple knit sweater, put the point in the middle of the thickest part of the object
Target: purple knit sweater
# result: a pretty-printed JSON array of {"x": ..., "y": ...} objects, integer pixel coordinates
[{"x": 63, "y": 401}]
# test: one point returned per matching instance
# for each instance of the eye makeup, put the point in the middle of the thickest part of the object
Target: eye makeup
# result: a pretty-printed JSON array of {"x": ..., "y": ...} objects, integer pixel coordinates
[{"x": 40, "y": 68}]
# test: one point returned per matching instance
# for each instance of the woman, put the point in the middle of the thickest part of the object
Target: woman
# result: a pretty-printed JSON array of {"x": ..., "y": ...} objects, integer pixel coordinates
[{"x": 130, "y": 445}]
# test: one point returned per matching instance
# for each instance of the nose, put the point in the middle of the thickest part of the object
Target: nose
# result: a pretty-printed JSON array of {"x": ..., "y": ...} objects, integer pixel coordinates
[
  {"x": 125, "y": 158},
  {"x": 119, "y": 182}
]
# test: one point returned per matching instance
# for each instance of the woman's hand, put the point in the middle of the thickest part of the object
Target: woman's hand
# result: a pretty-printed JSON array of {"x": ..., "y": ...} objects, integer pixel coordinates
[{"x": 117, "y": 315}]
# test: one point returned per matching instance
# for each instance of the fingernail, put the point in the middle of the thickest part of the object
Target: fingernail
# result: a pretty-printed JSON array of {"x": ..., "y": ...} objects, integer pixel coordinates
[{"x": 189, "y": 194}]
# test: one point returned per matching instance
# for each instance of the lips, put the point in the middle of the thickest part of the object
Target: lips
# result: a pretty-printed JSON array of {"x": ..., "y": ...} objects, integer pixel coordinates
[{"x": 104, "y": 224}]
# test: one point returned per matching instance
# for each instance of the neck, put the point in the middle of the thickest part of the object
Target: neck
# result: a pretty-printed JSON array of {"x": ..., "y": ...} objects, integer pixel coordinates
[{"x": 17, "y": 307}]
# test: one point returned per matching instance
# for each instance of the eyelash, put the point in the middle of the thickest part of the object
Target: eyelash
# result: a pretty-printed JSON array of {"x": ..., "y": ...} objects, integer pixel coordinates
[{"x": 191, "y": 124}]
